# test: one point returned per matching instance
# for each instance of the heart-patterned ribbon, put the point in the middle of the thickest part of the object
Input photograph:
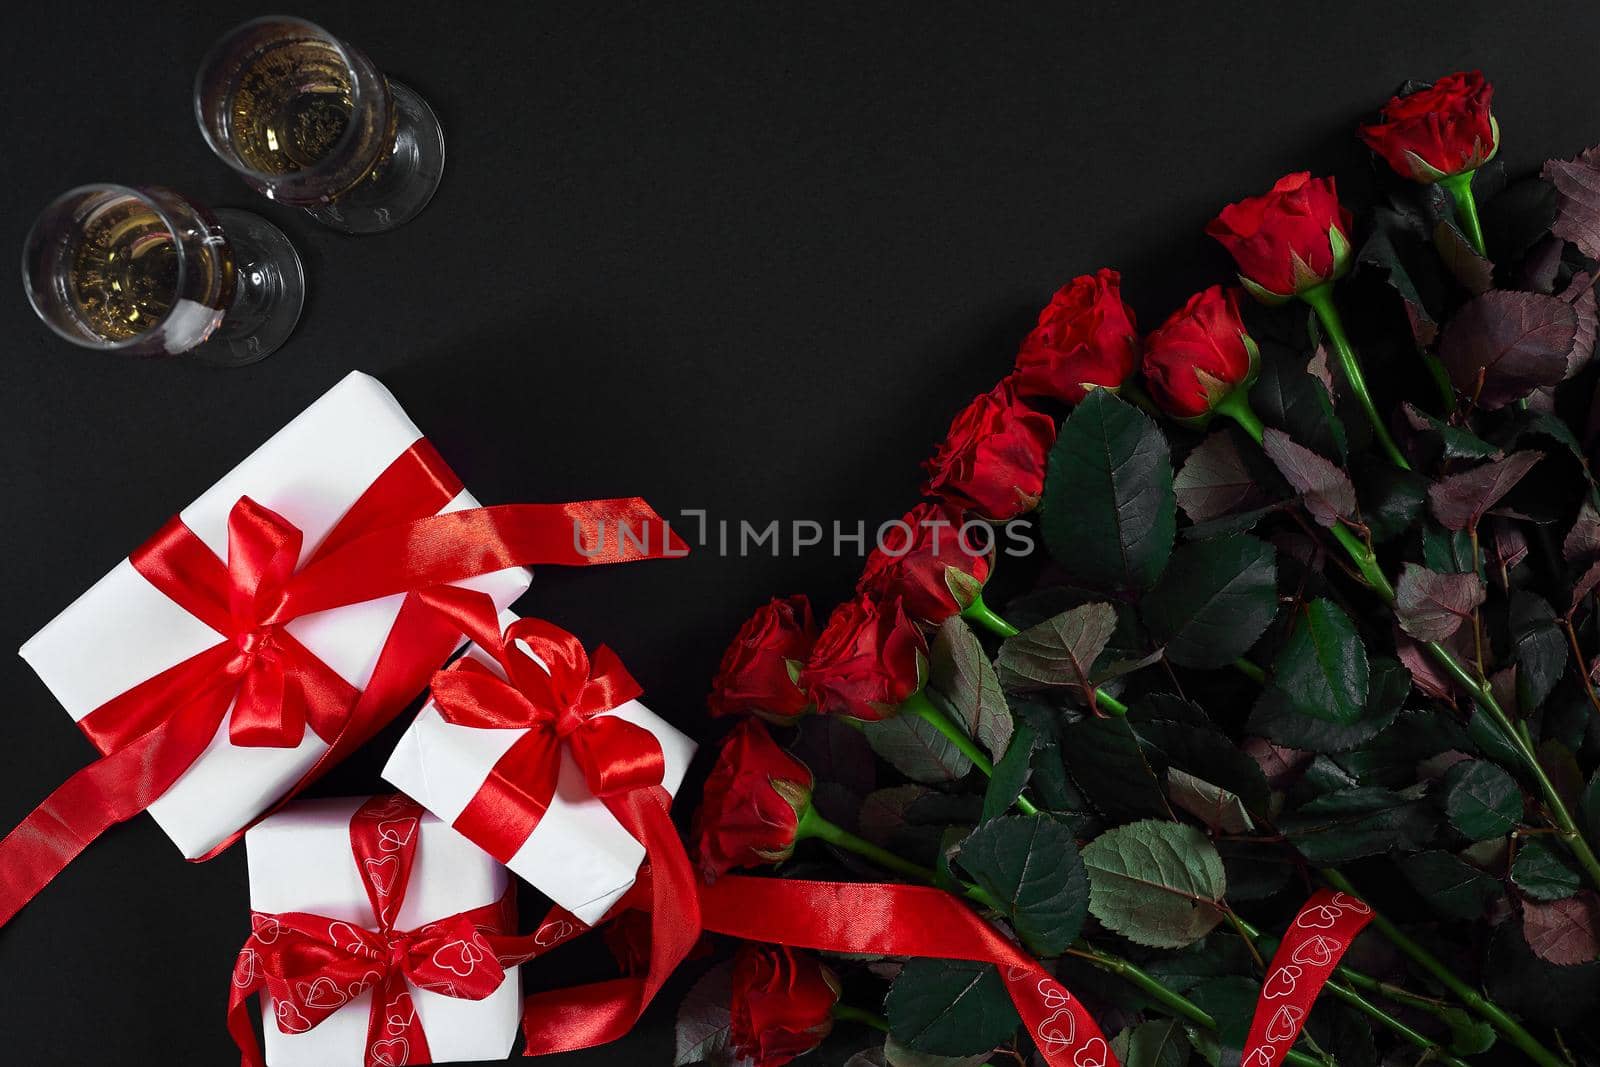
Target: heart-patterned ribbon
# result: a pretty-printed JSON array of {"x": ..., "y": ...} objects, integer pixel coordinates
[
  {"x": 268, "y": 686},
  {"x": 312, "y": 966},
  {"x": 1305, "y": 960}
]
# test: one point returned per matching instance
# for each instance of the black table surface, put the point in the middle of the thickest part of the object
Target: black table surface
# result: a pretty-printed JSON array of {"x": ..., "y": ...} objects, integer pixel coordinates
[{"x": 742, "y": 258}]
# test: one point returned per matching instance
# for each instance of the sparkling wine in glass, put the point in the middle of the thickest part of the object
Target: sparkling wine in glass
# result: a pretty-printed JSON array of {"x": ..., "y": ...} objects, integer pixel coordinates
[
  {"x": 146, "y": 271},
  {"x": 309, "y": 121}
]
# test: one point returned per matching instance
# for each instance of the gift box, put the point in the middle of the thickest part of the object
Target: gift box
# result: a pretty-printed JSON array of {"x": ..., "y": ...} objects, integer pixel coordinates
[
  {"x": 125, "y": 631},
  {"x": 314, "y": 885},
  {"x": 578, "y": 854}
]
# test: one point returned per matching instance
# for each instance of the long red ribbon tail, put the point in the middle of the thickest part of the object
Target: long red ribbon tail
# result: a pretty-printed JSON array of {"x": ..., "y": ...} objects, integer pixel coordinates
[
  {"x": 108, "y": 791},
  {"x": 1316, "y": 940},
  {"x": 906, "y": 920},
  {"x": 567, "y": 1019}
]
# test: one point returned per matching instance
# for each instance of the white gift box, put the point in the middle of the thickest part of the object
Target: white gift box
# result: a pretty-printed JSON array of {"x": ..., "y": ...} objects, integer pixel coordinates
[
  {"x": 124, "y": 630},
  {"x": 579, "y": 855},
  {"x": 300, "y": 860}
]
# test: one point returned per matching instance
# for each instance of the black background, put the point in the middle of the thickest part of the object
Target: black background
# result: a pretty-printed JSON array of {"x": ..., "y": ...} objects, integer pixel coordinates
[{"x": 738, "y": 258}]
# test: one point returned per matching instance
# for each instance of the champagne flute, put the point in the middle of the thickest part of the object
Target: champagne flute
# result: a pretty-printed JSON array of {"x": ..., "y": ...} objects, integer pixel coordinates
[
  {"x": 307, "y": 120},
  {"x": 148, "y": 272}
]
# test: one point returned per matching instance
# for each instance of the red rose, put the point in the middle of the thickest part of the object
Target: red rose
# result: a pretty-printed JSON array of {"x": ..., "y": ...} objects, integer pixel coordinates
[
  {"x": 1085, "y": 338},
  {"x": 755, "y": 675},
  {"x": 915, "y": 556},
  {"x": 1442, "y": 130},
  {"x": 751, "y": 805},
  {"x": 868, "y": 661},
  {"x": 992, "y": 461},
  {"x": 782, "y": 1004},
  {"x": 1199, "y": 355},
  {"x": 1295, "y": 238}
]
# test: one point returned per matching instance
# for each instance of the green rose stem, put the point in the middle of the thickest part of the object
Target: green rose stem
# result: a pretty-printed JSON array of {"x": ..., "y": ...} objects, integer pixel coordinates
[
  {"x": 1321, "y": 300},
  {"x": 1460, "y": 188},
  {"x": 1433, "y": 1049},
  {"x": 919, "y": 705},
  {"x": 1469, "y": 996},
  {"x": 813, "y": 825},
  {"x": 980, "y": 613},
  {"x": 846, "y": 1013},
  {"x": 1176, "y": 1004}
]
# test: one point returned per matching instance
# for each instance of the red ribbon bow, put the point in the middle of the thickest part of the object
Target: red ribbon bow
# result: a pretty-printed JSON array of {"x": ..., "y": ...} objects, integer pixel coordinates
[
  {"x": 313, "y": 966},
  {"x": 563, "y": 704},
  {"x": 392, "y": 540},
  {"x": 560, "y": 698}
]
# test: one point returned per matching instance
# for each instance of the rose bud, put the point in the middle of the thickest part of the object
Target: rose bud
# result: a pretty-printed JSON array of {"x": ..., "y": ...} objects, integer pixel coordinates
[
  {"x": 1440, "y": 131},
  {"x": 1085, "y": 339},
  {"x": 782, "y": 1004},
  {"x": 993, "y": 458},
  {"x": 869, "y": 660},
  {"x": 751, "y": 806},
  {"x": 1200, "y": 355},
  {"x": 1295, "y": 238},
  {"x": 759, "y": 668},
  {"x": 926, "y": 562}
]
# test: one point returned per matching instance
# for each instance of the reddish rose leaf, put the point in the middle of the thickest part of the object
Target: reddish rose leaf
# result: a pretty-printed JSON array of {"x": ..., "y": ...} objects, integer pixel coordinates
[
  {"x": 1461, "y": 500},
  {"x": 1432, "y": 606},
  {"x": 1326, "y": 490},
  {"x": 1564, "y": 932},
  {"x": 1214, "y": 481},
  {"x": 1503, "y": 345},
  {"x": 1474, "y": 272},
  {"x": 1585, "y": 585},
  {"x": 1427, "y": 675},
  {"x": 1577, "y": 183},
  {"x": 1583, "y": 540},
  {"x": 1581, "y": 295}
]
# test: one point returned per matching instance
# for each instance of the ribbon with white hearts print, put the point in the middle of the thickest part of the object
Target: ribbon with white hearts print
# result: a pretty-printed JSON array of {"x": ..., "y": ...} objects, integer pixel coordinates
[
  {"x": 312, "y": 966},
  {"x": 1305, "y": 960}
]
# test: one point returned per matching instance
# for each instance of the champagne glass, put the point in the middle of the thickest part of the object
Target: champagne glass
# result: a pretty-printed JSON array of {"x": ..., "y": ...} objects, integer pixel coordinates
[
  {"x": 309, "y": 121},
  {"x": 149, "y": 272}
]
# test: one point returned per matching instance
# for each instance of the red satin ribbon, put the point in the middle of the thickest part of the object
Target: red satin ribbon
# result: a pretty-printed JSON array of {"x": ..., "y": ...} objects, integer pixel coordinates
[
  {"x": 1319, "y": 936},
  {"x": 562, "y": 705},
  {"x": 313, "y": 966},
  {"x": 391, "y": 541},
  {"x": 903, "y": 920}
]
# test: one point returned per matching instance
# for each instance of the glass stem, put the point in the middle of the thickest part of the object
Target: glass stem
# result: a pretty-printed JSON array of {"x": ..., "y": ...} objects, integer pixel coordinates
[
  {"x": 1488, "y": 1009},
  {"x": 920, "y": 706},
  {"x": 1321, "y": 300},
  {"x": 1460, "y": 187}
]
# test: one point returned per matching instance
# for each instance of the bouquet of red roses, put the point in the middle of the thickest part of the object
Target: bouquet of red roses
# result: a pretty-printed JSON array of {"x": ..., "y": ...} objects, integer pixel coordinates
[{"x": 1320, "y": 622}]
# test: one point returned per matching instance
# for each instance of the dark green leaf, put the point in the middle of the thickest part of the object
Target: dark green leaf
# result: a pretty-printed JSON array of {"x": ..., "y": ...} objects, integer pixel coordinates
[
  {"x": 1113, "y": 769},
  {"x": 1277, "y": 719},
  {"x": 1541, "y": 992},
  {"x": 1231, "y": 1002},
  {"x": 917, "y": 750},
  {"x": 1541, "y": 648},
  {"x": 893, "y": 1054},
  {"x": 1256, "y": 870},
  {"x": 1446, "y": 441},
  {"x": 1108, "y": 514},
  {"x": 1059, "y": 651},
  {"x": 1011, "y": 774},
  {"x": 1352, "y": 823},
  {"x": 1158, "y": 1043},
  {"x": 1456, "y": 889},
  {"x": 1383, "y": 251},
  {"x": 1207, "y": 753},
  {"x": 1445, "y": 550},
  {"x": 1321, "y": 671},
  {"x": 1221, "y": 953},
  {"x": 705, "y": 1020},
  {"x": 1482, "y": 800},
  {"x": 1543, "y": 874},
  {"x": 1215, "y": 600},
  {"x": 1287, "y": 397},
  {"x": 959, "y": 669},
  {"x": 1390, "y": 498},
  {"x": 1030, "y": 865},
  {"x": 950, "y": 1007},
  {"x": 1155, "y": 883}
]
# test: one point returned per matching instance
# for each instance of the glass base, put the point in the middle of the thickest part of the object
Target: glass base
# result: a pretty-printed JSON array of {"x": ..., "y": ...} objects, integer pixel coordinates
[
  {"x": 398, "y": 190},
  {"x": 269, "y": 292}
]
